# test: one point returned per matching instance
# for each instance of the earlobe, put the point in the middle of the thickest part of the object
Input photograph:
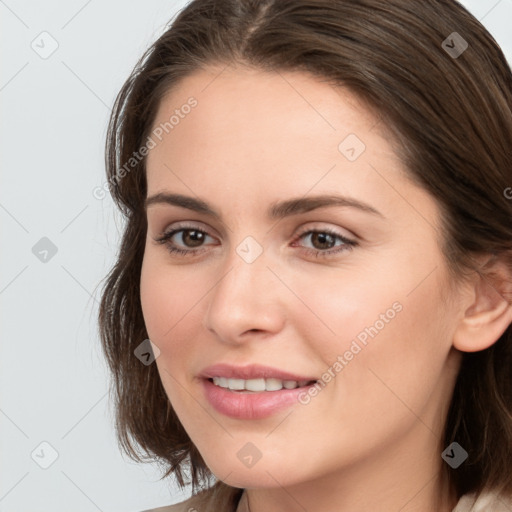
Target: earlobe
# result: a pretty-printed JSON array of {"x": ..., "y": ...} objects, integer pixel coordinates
[{"x": 490, "y": 313}]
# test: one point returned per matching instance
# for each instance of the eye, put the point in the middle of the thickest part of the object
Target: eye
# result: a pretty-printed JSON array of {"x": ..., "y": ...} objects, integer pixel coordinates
[
  {"x": 325, "y": 239},
  {"x": 190, "y": 237}
]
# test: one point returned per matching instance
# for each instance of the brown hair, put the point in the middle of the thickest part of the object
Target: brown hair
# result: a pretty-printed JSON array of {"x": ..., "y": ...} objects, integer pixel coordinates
[{"x": 451, "y": 121}]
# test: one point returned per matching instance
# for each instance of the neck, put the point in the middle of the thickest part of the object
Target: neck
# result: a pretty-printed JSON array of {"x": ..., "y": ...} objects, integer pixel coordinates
[
  {"x": 433, "y": 496},
  {"x": 389, "y": 481}
]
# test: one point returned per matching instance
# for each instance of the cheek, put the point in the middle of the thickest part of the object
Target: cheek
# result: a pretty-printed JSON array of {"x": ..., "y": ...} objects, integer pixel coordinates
[
  {"x": 386, "y": 331},
  {"x": 331, "y": 307},
  {"x": 399, "y": 367},
  {"x": 167, "y": 298},
  {"x": 167, "y": 301}
]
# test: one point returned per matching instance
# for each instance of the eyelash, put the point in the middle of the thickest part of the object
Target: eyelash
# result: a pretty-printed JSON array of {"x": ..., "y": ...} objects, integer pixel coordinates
[{"x": 348, "y": 245}]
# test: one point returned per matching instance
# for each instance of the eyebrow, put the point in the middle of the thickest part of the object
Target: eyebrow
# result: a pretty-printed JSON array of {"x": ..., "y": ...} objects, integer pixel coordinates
[{"x": 277, "y": 210}]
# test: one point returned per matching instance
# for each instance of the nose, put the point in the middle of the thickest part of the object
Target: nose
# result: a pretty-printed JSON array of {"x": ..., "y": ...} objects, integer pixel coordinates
[{"x": 248, "y": 299}]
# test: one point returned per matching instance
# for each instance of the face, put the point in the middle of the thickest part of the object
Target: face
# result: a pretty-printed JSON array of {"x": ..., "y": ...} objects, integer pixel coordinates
[{"x": 309, "y": 279}]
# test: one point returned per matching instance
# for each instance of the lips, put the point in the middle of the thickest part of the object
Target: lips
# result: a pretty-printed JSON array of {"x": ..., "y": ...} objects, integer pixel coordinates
[
  {"x": 253, "y": 371},
  {"x": 252, "y": 392}
]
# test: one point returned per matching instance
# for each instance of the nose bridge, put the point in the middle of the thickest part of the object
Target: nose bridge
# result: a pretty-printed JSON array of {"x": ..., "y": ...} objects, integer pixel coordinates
[{"x": 245, "y": 297}]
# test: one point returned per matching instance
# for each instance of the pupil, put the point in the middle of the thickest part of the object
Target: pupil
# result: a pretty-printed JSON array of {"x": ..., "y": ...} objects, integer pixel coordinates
[
  {"x": 195, "y": 236},
  {"x": 323, "y": 238}
]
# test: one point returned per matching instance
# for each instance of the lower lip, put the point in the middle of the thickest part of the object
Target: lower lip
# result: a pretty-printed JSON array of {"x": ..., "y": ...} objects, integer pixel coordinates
[{"x": 250, "y": 406}]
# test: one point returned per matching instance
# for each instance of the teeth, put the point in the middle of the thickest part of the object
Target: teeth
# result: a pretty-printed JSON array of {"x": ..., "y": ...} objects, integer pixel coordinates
[
  {"x": 273, "y": 384},
  {"x": 257, "y": 385},
  {"x": 254, "y": 385},
  {"x": 236, "y": 384}
]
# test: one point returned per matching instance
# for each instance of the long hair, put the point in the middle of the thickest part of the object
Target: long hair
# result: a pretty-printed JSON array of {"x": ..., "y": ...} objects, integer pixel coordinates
[{"x": 445, "y": 98}]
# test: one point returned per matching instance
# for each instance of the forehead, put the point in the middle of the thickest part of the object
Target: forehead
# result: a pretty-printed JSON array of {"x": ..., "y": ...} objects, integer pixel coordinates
[
  {"x": 252, "y": 137},
  {"x": 249, "y": 118},
  {"x": 264, "y": 103}
]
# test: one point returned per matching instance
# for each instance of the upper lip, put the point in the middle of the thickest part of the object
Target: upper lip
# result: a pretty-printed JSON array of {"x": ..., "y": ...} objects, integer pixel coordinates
[{"x": 251, "y": 371}]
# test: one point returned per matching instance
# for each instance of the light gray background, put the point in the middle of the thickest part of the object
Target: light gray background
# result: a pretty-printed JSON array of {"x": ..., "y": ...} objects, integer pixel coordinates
[{"x": 53, "y": 379}]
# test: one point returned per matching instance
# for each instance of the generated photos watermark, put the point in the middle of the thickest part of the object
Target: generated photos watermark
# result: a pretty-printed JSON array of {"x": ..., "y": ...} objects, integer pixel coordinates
[
  {"x": 100, "y": 192},
  {"x": 357, "y": 345}
]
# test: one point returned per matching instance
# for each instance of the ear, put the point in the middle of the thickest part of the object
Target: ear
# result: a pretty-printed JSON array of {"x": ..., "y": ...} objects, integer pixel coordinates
[{"x": 488, "y": 308}]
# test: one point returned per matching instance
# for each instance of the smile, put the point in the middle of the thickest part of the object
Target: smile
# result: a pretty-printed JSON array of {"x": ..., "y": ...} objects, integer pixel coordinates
[{"x": 258, "y": 385}]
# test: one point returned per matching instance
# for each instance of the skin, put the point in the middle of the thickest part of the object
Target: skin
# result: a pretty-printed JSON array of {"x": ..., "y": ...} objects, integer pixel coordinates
[{"x": 371, "y": 439}]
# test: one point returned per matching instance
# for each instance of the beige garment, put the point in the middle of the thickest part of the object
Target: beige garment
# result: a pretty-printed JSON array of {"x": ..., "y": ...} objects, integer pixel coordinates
[
  {"x": 223, "y": 498},
  {"x": 220, "y": 498},
  {"x": 488, "y": 502}
]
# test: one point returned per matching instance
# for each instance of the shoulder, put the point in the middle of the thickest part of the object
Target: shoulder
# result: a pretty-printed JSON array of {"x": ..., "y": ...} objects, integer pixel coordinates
[
  {"x": 488, "y": 501},
  {"x": 184, "y": 506},
  {"x": 219, "y": 497}
]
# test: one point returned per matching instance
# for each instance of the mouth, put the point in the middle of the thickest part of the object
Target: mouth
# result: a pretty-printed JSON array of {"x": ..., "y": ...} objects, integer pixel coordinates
[
  {"x": 253, "y": 391},
  {"x": 258, "y": 385}
]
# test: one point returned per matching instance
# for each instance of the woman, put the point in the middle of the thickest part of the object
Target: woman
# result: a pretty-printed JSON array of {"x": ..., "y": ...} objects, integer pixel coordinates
[{"x": 318, "y": 245}]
